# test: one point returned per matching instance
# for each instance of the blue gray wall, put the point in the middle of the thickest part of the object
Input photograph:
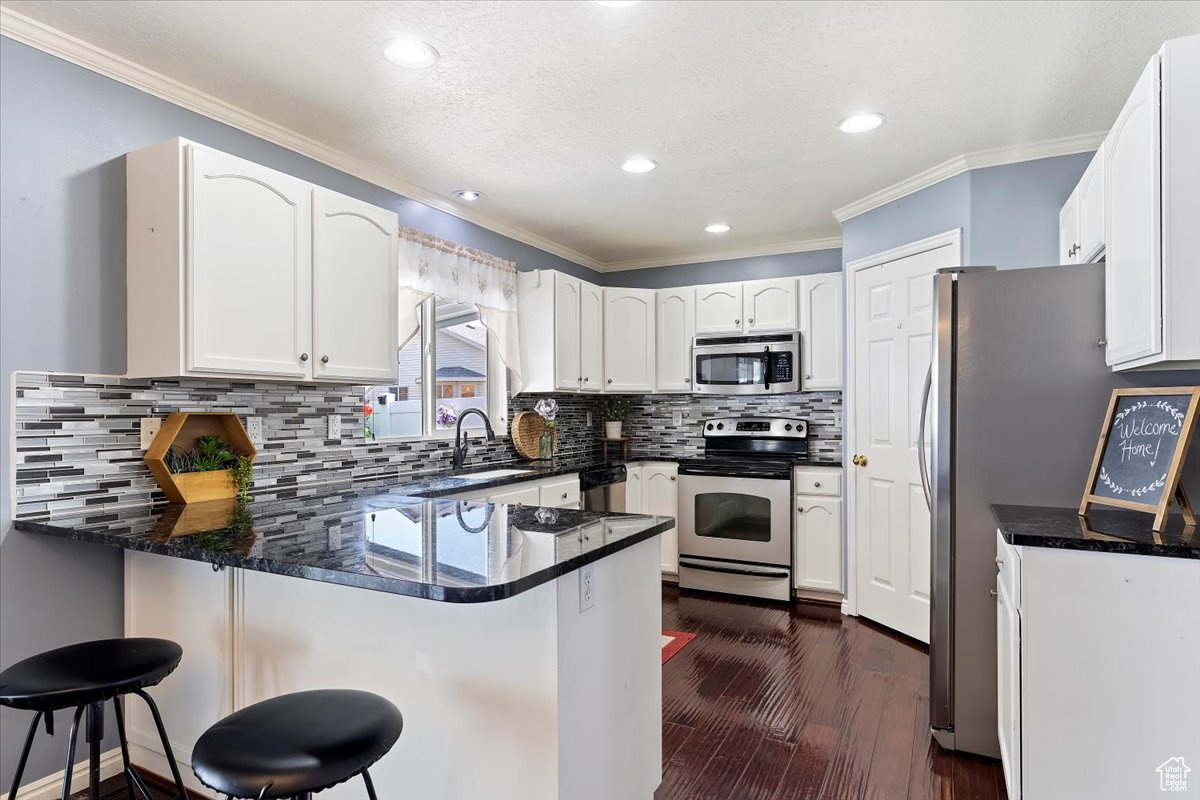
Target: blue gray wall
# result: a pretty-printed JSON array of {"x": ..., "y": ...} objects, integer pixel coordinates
[
  {"x": 63, "y": 133},
  {"x": 734, "y": 269}
]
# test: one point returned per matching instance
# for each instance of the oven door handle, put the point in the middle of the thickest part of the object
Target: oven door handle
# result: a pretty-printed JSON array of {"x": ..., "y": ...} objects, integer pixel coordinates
[{"x": 753, "y": 573}]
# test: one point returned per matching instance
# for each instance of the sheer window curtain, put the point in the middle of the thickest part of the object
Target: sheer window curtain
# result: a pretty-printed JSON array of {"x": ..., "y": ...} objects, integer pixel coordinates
[{"x": 433, "y": 266}]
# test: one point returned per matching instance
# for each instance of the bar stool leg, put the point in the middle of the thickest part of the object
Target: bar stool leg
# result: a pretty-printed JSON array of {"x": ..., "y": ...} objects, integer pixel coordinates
[
  {"x": 370, "y": 785},
  {"x": 16, "y": 784},
  {"x": 162, "y": 735},
  {"x": 66, "y": 792},
  {"x": 131, "y": 777},
  {"x": 94, "y": 734}
]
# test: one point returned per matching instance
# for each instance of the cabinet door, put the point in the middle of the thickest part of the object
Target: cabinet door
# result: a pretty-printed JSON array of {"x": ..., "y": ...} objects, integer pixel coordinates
[
  {"x": 521, "y": 494},
  {"x": 1068, "y": 230},
  {"x": 1133, "y": 263},
  {"x": 1090, "y": 202},
  {"x": 354, "y": 289},
  {"x": 660, "y": 496},
  {"x": 566, "y": 332},
  {"x": 1008, "y": 689},
  {"x": 821, "y": 332},
  {"x": 562, "y": 493},
  {"x": 818, "y": 545},
  {"x": 769, "y": 306},
  {"x": 591, "y": 337},
  {"x": 629, "y": 340},
  {"x": 719, "y": 308},
  {"x": 633, "y": 490},
  {"x": 249, "y": 271},
  {"x": 676, "y": 321}
]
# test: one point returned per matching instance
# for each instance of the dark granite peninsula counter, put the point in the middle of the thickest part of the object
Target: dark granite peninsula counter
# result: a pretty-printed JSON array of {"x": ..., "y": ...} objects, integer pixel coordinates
[{"x": 1102, "y": 531}]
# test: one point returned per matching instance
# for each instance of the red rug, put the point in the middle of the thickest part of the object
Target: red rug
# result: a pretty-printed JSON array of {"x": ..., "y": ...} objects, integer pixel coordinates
[{"x": 673, "y": 642}]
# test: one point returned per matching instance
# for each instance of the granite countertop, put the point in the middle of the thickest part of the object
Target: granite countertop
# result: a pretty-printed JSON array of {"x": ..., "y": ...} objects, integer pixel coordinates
[
  {"x": 382, "y": 539},
  {"x": 1103, "y": 530}
]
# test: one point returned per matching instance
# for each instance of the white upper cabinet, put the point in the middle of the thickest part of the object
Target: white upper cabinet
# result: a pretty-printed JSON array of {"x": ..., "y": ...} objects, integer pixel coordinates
[
  {"x": 676, "y": 321},
  {"x": 629, "y": 336},
  {"x": 1090, "y": 200},
  {"x": 719, "y": 308},
  {"x": 567, "y": 374},
  {"x": 1068, "y": 230},
  {"x": 1151, "y": 177},
  {"x": 249, "y": 268},
  {"x": 769, "y": 305},
  {"x": 235, "y": 270},
  {"x": 591, "y": 337},
  {"x": 821, "y": 332},
  {"x": 355, "y": 328}
]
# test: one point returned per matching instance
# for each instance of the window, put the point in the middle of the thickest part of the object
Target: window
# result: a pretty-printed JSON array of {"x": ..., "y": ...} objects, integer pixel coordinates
[{"x": 445, "y": 369}]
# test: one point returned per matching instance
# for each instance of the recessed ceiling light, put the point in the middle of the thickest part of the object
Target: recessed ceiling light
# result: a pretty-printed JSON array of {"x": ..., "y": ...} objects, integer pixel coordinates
[
  {"x": 410, "y": 54},
  {"x": 470, "y": 195},
  {"x": 639, "y": 165},
  {"x": 717, "y": 227},
  {"x": 861, "y": 123},
  {"x": 614, "y": 3}
]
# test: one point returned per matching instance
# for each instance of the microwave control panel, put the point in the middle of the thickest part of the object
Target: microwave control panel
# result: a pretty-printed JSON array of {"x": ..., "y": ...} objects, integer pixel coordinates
[{"x": 781, "y": 367}]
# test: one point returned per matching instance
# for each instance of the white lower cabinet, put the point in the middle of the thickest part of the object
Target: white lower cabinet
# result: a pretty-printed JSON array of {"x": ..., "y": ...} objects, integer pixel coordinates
[
  {"x": 633, "y": 489},
  {"x": 560, "y": 492},
  {"x": 660, "y": 497},
  {"x": 1097, "y": 658},
  {"x": 817, "y": 529}
]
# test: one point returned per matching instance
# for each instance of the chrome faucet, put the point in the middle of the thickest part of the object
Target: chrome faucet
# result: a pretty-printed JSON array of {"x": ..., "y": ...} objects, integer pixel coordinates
[{"x": 459, "y": 458}]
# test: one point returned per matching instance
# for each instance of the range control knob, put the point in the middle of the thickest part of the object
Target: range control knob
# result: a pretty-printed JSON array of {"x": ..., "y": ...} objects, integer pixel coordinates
[
  {"x": 709, "y": 426},
  {"x": 787, "y": 427},
  {"x": 720, "y": 426}
]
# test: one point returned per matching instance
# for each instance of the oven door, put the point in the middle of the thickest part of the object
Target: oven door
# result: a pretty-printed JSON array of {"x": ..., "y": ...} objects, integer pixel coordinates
[
  {"x": 744, "y": 368},
  {"x": 736, "y": 519}
]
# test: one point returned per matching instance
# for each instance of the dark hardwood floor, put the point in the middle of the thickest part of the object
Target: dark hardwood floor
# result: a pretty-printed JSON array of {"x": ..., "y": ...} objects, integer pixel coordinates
[{"x": 771, "y": 702}]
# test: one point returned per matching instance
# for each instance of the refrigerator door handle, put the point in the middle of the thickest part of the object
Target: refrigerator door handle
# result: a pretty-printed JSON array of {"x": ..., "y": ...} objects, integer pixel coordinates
[{"x": 922, "y": 460}]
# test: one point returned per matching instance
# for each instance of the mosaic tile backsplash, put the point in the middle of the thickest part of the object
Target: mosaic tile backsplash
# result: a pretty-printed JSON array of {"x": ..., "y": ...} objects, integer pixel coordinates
[
  {"x": 77, "y": 436},
  {"x": 78, "y": 448}
]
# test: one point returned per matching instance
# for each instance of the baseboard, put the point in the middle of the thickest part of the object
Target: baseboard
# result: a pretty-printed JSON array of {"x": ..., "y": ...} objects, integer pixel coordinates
[
  {"x": 146, "y": 753},
  {"x": 50, "y": 787}
]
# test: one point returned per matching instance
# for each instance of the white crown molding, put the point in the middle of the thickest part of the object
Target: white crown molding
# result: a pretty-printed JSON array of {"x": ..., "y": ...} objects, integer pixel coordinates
[
  {"x": 802, "y": 246},
  {"x": 27, "y": 30},
  {"x": 978, "y": 159}
]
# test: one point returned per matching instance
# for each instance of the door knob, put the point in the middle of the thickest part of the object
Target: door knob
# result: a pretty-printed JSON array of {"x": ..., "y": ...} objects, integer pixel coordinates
[{"x": 859, "y": 461}]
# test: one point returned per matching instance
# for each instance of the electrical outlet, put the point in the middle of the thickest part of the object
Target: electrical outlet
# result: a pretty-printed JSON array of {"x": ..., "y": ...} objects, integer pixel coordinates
[
  {"x": 589, "y": 419},
  {"x": 254, "y": 429},
  {"x": 335, "y": 537},
  {"x": 587, "y": 587},
  {"x": 335, "y": 426},
  {"x": 148, "y": 429},
  {"x": 677, "y": 418}
]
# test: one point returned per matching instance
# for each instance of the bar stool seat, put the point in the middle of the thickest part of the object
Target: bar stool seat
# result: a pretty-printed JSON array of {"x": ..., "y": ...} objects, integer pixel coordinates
[
  {"x": 297, "y": 744},
  {"x": 84, "y": 676},
  {"x": 91, "y": 672}
]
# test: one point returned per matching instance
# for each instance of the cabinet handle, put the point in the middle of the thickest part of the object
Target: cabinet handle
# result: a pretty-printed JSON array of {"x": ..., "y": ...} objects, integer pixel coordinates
[
  {"x": 687, "y": 380},
  {"x": 992, "y": 592},
  {"x": 808, "y": 377},
  {"x": 816, "y": 484},
  {"x": 585, "y": 380},
  {"x": 800, "y": 508},
  {"x": 751, "y": 321},
  {"x": 999, "y": 562},
  {"x": 737, "y": 322},
  {"x": 1101, "y": 342},
  {"x": 304, "y": 356},
  {"x": 672, "y": 477},
  {"x": 564, "y": 495},
  {"x": 324, "y": 359},
  {"x": 610, "y": 380}
]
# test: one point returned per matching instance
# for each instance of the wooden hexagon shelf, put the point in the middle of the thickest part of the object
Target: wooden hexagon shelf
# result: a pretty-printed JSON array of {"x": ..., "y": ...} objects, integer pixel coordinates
[{"x": 181, "y": 429}]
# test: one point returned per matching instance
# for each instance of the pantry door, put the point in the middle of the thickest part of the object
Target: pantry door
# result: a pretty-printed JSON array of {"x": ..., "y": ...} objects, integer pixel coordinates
[{"x": 891, "y": 329}]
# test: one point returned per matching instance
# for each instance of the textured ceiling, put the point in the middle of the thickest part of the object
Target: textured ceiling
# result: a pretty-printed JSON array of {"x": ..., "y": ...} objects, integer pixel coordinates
[{"x": 538, "y": 103}]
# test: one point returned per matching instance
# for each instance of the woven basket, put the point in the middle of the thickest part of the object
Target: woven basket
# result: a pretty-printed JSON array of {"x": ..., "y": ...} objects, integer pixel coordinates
[{"x": 527, "y": 434}]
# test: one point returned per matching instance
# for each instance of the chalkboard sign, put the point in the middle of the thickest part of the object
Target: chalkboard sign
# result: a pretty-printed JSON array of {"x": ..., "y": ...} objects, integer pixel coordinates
[{"x": 1141, "y": 451}]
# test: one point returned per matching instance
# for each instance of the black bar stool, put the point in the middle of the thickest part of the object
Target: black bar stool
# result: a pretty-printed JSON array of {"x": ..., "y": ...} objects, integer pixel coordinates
[
  {"x": 84, "y": 676},
  {"x": 296, "y": 744}
]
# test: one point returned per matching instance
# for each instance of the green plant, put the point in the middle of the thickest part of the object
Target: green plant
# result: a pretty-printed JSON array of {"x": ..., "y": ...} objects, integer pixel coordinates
[
  {"x": 210, "y": 454},
  {"x": 615, "y": 407},
  {"x": 238, "y": 531}
]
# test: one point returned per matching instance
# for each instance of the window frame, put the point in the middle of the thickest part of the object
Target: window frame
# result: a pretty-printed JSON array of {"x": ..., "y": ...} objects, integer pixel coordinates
[{"x": 497, "y": 383}]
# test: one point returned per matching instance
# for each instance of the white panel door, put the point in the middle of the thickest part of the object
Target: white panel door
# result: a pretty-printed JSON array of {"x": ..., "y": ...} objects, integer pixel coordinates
[
  {"x": 660, "y": 496},
  {"x": 591, "y": 337},
  {"x": 769, "y": 305},
  {"x": 676, "y": 322},
  {"x": 1090, "y": 195},
  {"x": 818, "y": 545},
  {"x": 629, "y": 340},
  {"x": 249, "y": 271},
  {"x": 354, "y": 289},
  {"x": 1132, "y": 208},
  {"x": 567, "y": 374},
  {"x": 893, "y": 340},
  {"x": 719, "y": 308},
  {"x": 633, "y": 490},
  {"x": 1068, "y": 230},
  {"x": 821, "y": 353}
]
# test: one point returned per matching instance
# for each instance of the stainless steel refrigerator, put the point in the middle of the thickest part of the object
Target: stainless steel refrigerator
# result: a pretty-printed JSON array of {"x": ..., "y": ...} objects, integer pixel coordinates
[{"x": 1017, "y": 391}]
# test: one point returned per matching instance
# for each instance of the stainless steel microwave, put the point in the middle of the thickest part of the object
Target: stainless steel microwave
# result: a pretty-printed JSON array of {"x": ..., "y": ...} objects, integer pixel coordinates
[{"x": 763, "y": 364}]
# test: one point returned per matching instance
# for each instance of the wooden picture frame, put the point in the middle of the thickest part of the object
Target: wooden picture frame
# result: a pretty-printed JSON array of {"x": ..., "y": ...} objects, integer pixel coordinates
[{"x": 1172, "y": 490}]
